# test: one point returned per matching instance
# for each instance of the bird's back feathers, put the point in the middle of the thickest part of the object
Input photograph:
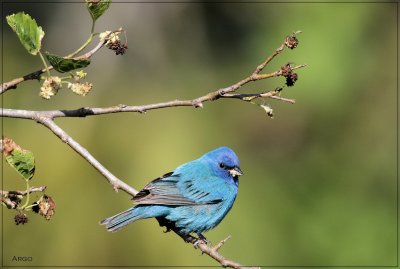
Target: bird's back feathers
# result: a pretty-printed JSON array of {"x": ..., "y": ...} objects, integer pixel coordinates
[{"x": 195, "y": 197}]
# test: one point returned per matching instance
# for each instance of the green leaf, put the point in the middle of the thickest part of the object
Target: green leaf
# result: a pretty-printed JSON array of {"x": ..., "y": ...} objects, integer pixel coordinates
[
  {"x": 23, "y": 162},
  {"x": 26, "y": 28},
  {"x": 64, "y": 64},
  {"x": 97, "y": 7}
]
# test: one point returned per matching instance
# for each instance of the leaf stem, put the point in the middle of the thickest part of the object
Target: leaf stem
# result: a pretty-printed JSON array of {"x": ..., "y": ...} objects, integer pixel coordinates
[
  {"x": 45, "y": 64},
  {"x": 27, "y": 195},
  {"x": 84, "y": 44},
  {"x": 29, "y": 207},
  {"x": 66, "y": 77}
]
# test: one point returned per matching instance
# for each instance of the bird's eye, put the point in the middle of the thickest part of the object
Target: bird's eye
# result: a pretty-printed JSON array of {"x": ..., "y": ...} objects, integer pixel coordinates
[{"x": 222, "y": 165}]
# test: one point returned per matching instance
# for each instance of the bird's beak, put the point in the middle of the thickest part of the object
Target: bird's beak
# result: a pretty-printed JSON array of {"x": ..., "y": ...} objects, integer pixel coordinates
[{"x": 235, "y": 171}]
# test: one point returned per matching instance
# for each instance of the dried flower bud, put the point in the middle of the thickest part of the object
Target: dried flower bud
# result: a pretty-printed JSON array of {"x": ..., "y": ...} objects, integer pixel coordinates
[
  {"x": 45, "y": 207},
  {"x": 288, "y": 73},
  {"x": 80, "y": 88},
  {"x": 8, "y": 146},
  {"x": 114, "y": 42},
  {"x": 268, "y": 110},
  {"x": 118, "y": 47},
  {"x": 114, "y": 37},
  {"x": 291, "y": 41},
  {"x": 286, "y": 70},
  {"x": 291, "y": 79},
  {"x": 104, "y": 35},
  {"x": 20, "y": 218},
  {"x": 50, "y": 87}
]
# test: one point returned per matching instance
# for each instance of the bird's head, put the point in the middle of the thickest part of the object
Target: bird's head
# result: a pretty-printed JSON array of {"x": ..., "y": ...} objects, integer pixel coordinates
[{"x": 225, "y": 163}]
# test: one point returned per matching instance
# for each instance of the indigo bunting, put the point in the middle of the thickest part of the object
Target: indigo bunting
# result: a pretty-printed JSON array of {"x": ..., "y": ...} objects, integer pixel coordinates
[{"x": 194, "y": 198}]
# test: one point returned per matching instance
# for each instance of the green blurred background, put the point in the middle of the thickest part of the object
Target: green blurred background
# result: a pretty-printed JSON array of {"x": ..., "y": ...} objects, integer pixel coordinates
[{"x": 320, "y": 178}]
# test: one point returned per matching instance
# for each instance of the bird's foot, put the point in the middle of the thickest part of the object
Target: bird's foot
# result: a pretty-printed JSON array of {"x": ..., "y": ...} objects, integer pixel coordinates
[
  {"x": 201, "y": 240},
  {"x": 169, "y": 226},
  {"x": 167, "y": 230},
  {"x": 202, "y": 237}
]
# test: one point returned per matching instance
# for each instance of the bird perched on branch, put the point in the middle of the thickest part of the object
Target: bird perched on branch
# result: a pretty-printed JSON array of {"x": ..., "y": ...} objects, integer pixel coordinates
[{"x": 194, "y": 198}]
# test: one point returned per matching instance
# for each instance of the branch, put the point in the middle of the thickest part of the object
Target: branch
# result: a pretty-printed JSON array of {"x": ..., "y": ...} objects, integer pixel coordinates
[
  {"x": 113, "y": 180},
  {"x": 23, "y": 193},
  {"x": 213, "y": 253},
  {"x": 12, "y": 198},
  {"x": 202, "y": 244},
  {"x": 46, "y": 118},
  {"x": 197, "y": 102},
  {"x": 36, "y": 75},
  {"x": 251, "y": 96}
]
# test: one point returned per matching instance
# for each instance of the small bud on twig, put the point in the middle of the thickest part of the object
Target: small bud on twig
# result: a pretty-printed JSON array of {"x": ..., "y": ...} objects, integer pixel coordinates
[
  {"x": 291, "y": 41},
  {"x": 44, "y": 206},
  {"x": 8, "y": 145},
  {"x": 118, "y": 47},
  {"x": 80, "y": 88},
  {"x": 80, "y": 74},
  {"x": 288, "y": 73},
  {"x": 50, "y": 87},
  {"x": 268, "y": 110},
  {"x": 104, "y": 35},
  {"x": 20, "y": 218},
  {"x": 291, "y": 79}
]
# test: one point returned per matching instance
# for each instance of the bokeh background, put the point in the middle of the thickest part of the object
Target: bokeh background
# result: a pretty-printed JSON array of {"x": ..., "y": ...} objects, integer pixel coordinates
[{"x": 320, "y": 178}]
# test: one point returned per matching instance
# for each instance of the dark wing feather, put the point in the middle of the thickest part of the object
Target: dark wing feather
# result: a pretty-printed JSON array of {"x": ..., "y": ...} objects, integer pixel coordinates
[
  {"x": 145, "y": 191},
  {"x": 164, "y": 191}
]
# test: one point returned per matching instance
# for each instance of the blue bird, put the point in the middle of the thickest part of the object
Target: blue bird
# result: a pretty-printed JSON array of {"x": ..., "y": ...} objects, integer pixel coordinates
[{"x": 194, "y": 198}]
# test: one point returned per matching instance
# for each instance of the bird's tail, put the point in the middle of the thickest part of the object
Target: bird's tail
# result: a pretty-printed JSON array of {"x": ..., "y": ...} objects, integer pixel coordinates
[{"x": 122, "y": 219}]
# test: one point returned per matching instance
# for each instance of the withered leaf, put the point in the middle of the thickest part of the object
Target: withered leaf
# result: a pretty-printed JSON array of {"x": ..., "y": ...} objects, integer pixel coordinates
[{"x": 45, "y": 207}]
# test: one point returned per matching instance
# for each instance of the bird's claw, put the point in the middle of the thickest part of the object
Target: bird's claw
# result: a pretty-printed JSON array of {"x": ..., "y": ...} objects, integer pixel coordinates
[
  {"x": 201, "y": 240},
  {"x": 167, "y": 230},
  {"x": 202, "y": 237}
]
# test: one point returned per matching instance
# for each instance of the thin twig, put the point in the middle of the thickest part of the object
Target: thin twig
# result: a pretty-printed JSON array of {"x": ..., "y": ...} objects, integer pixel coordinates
[
  {"x": 213, "y": 253},
  {"x": 251, "y": 96},
  {"x": 30, "y": 190},
  {"x": 113, "y": 180},
  {"x": 221, "y": 243},
  {"x": 12, "y": 198},
  {"x": 12, "y": 84},
  {"x": 269, "y": 59},
  {"x": 87, "y": 111},
  {"x": 23, "y": 193},
  {"x": 207, "y": 249},
  {"x": 291, "y": 101}
]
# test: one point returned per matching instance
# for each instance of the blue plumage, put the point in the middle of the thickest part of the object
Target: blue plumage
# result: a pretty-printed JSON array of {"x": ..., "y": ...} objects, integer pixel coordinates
[{"x": 194, "y": 198}]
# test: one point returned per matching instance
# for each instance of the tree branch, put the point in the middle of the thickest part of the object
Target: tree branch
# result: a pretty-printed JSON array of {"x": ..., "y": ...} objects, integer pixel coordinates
[
  {"x": 46, "y": 118},
  {"x": 23, "y": 193},
  {"x": 12, "y": 84},
  {"x": 205, "y": 248},
  {"x": 197, "y": 102},
  {"x": 60, "y": 133},
  {"x": 213, "y": 253},
  {"x": 251, "y": 96},
  {"x": 11, "y": 198}
]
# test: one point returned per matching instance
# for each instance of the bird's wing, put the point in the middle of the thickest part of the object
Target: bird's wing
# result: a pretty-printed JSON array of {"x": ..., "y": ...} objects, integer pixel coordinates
[{"x": 172, "y": 189}]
